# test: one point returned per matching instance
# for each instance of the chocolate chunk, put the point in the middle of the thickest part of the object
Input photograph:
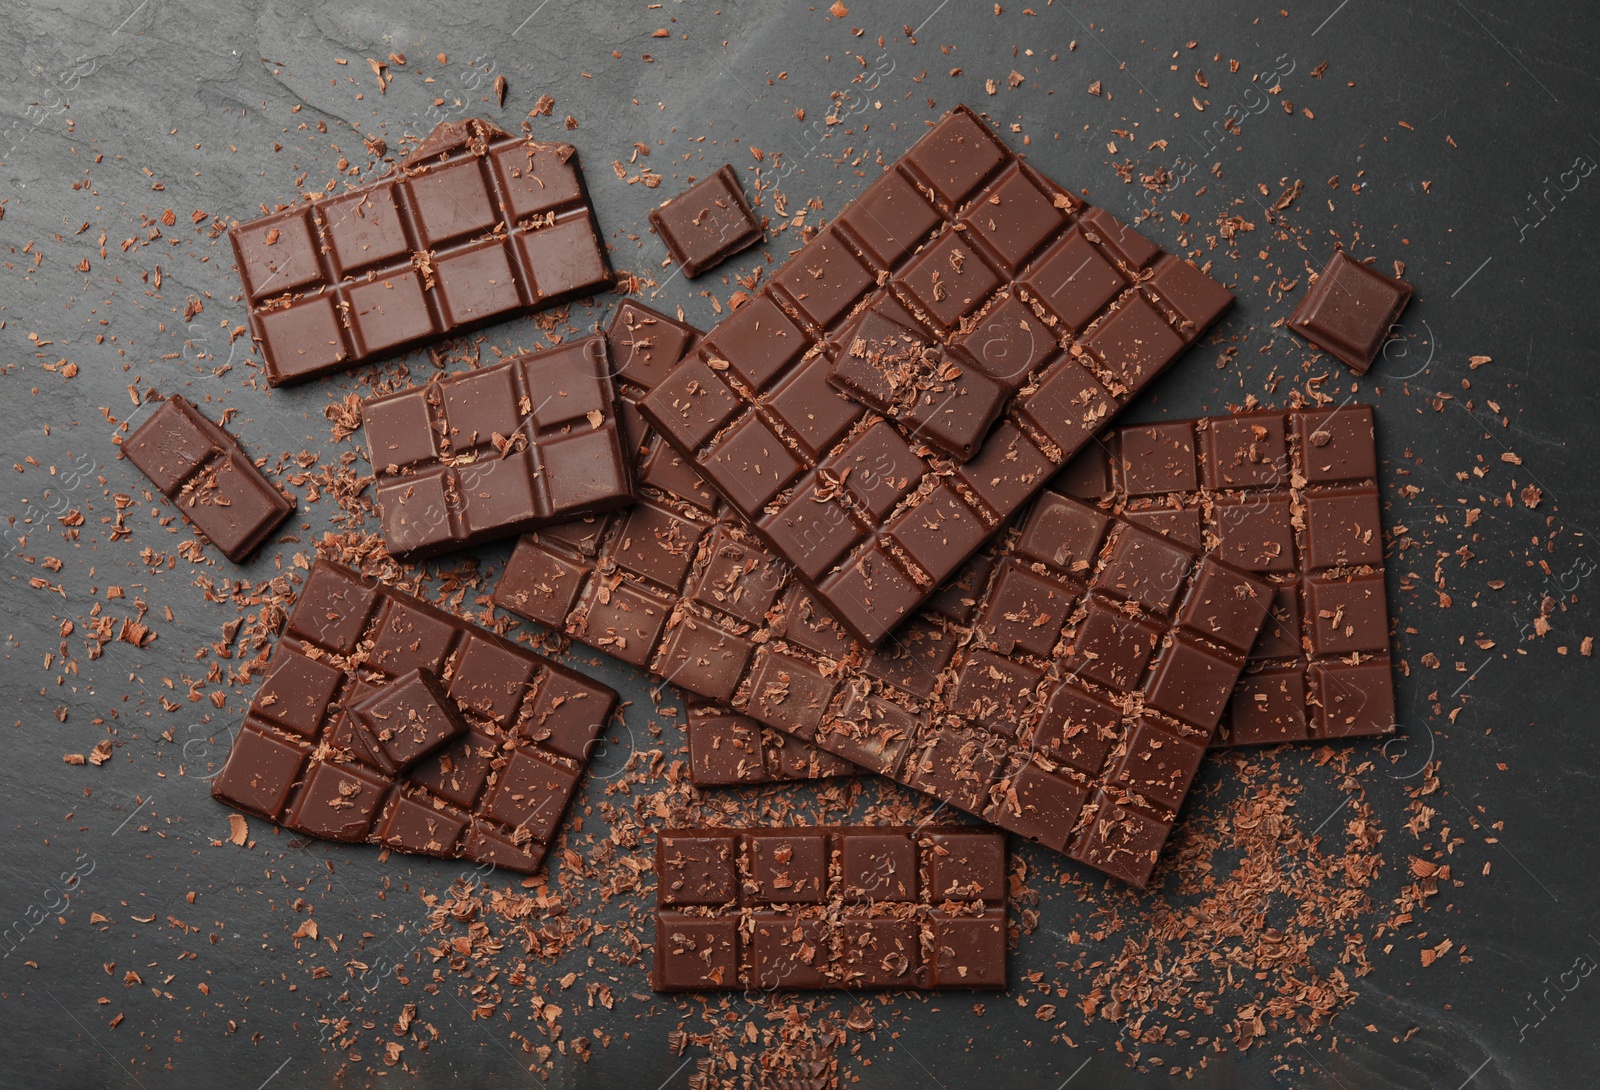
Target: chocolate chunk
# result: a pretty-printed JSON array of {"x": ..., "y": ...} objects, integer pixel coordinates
[
  {"x": 347, "y": 703},
  {"x": 707, "y": 223},
  {"x": 405, "y": 720},
  {"x": 499, "y": 451},
  {"x": 207, "y": 475},
  {"x": 1350, "y": 311},
  {"x": 816, "y": 908},
  {"x": 475, "y": 226},
  {"x": 1293, "y": 498},
  {"x": 1047, "y": 313}
]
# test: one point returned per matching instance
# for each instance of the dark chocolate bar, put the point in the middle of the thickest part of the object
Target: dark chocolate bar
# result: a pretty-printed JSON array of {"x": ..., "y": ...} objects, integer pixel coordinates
[
  {"x": 966, "y": 244},
  {"x": 1063, "y": 687},
  {"x": 767, "y": 910},
  {"x": 1292, "y": 497},
  {"x": 707, "y": 223},
  {"x": 207, "y": 475},
  {"x": 726, "y": 748},
  {"x": 494, "y": 795},
  {"x": 499, "y": 451},
  {"x": 474, "y": 226},
  {"x": 1350, "y": 311}
]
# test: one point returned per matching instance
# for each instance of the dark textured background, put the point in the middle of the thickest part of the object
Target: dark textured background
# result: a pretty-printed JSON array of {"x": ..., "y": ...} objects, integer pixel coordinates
[{"x": 167, "y": 104}]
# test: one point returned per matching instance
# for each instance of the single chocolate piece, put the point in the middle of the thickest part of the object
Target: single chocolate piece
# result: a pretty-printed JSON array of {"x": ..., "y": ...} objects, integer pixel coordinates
[
  {"x": 1063, "y": 687},
  {"x": 405, "y": 720},
  {"x": 936, "y": 394},
  {"x": 207, "y": 475},
  {"x": 1350, "y": 311},
  {"x": 499, "y": 451},
  {"x": 474, "y": 226},
  {"x": 726, "y": 748},
  {"x": 495, "y": 795},
  {"x": 962, "y": 242},
  {"x": 813, "y": 908},
  {"x": 707, "y": 223},
  {"x": 1293, "y": 498}
]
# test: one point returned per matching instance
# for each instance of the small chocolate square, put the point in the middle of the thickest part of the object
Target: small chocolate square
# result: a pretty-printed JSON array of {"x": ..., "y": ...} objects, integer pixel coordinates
[
  {"x": 707, "y": 223},
  {"x": 1349, "y": 311}
]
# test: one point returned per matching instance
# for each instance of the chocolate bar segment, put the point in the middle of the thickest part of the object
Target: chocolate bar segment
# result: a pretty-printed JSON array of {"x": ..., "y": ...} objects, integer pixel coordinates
[
  {"x": 405, "y": 720},
  {"x": 207, "y": 475},
  {"x": 474, "y": 226},
  {"x": 498, "y": 451},
  {"x": 968, "y": 247},
  {"x": 1350, "y": 310},
  {"x": 726, "y": 749},
  {"x": 1293, "y": 498},
  {"x": 352, "y": 648},
  {"x": 707, "y": 223},
  {"x": 813, "y": 908}
]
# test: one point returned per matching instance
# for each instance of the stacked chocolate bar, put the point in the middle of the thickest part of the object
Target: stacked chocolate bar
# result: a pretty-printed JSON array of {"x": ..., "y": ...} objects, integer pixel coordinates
[{"x": 878, "y": 520}]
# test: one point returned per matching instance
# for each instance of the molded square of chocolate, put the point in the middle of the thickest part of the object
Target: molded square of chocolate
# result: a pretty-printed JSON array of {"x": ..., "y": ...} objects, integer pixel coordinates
[
  {"x": 1349, "y": 311},
  {"x": 707, "y": 223},
  {"x": 407, "y": 719}
]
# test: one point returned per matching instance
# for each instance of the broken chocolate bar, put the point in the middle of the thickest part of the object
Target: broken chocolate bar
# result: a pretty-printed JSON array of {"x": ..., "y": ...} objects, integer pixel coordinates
[
  {"x": 1293, "y": 498},
  {"x": 474, "y": 226},
  {"x": 799, "y": 909},
  {"x": 207, "y": 475},
  {"x": 495, "y": 795},
  {"x": 498, "y": 451}
]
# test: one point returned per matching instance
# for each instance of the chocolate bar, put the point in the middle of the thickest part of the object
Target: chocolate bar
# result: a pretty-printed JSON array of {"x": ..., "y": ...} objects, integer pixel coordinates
[
  {"x": 494, "y": 795},
  {"x": 865, "y": 907},
  {"x": 499, "y": 451},
  {"x": 726, "y": 749},
  {"x": 207, "y": 475},
  {"x": 1293, "y": 498},
  {"x": 1350, "y": 310},
  {"x": 966, "y": 244},
  {"x": 1062, "y": 687},
  {"x": 707, "y": 223},
  {"x": 474, "y": 226}
]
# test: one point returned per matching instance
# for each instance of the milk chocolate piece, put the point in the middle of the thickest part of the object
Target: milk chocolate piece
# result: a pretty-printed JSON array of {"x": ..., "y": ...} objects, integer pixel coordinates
[
  {"x": 966, "y": 244},
  {"x": 207, "y": 475},
  {"x": 405, "y": 720},
  {"x": 1350, "y": 310},
  {"x": 822, "y": 908},
  {"x": 1293, "y": 498},
  {"x": 726, "y": 748},
  {"x": 474, "y": 226},
  {"x": 1063, "y": 687},
  {"x": 707, "y": 223},
  {"x": 498, "y": 451},
  {"x": 494, "y": 795}
]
